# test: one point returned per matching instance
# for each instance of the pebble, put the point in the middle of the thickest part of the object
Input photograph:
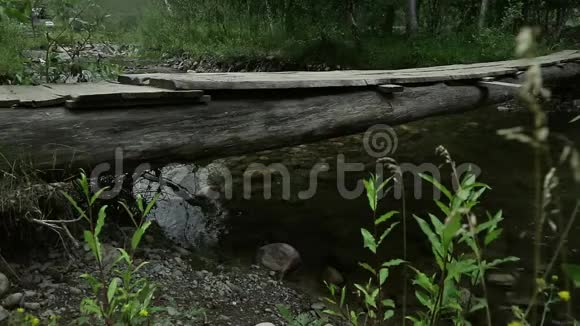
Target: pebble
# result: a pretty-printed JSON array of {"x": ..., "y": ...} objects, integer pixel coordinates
[
  {"x": 265, "y": 324},
  {"x": 31, "y": 305},
  {"x": 4, "y": 284},
  {"x": 502, "y": 279},
  {"x": 75, "y": 291},
  {"x": 172, "y": 311},
  {"x": 278, "y": 257},
  {"x": 318, "y": 306},
  {"x": 13, "y": 300}
]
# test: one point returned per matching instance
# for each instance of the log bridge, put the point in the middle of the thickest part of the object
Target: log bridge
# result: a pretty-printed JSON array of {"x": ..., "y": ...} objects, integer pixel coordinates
[{"x": 162, "y": 118}]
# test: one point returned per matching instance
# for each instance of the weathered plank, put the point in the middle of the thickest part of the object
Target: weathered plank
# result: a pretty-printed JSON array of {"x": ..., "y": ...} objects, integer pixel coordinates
[
  {"x": 93, "y": 95},
  {"x": 353, "y": 78},
  {"x": 29, "y": 96},
  {"x": 58, "y": 137}
]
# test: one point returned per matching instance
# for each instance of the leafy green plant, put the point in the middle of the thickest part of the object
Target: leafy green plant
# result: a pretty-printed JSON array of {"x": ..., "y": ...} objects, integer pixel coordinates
[
  {"x": 120, "y": 297},
  {"x": 444, "y": 295},
  {"x": 22, "y": 318},
  {"x": 377, "y": 307},
  {"x": 303, "y": 319}
]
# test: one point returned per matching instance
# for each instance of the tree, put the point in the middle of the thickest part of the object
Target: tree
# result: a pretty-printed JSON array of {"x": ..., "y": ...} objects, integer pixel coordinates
[
  {"x": 412, "y": 22},
  {"x": 482, "y": 14}
]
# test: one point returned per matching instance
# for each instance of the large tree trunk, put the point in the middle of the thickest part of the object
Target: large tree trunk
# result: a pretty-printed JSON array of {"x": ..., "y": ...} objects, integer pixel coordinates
[
  {"x": 231, "y": 124},
  {"x": 483, "y": 14},
  {"x": 351, "y": 17},
  {"x": 412, "y": 22}
]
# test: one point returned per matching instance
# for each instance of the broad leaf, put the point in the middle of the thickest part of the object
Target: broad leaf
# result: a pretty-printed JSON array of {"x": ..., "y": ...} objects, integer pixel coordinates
[
  {"x": 369, "y": 241},
  {"x": 112, "y": 289},
  {"x": 139, "y": 234},
  {"x": 368, "y": 268},
  {"x": 383, "y": 274},
  {"x": 393, "y": 262}
]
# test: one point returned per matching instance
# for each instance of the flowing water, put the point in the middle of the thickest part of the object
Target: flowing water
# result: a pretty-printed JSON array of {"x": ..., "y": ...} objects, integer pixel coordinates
[{"x": 326, "y": 228}]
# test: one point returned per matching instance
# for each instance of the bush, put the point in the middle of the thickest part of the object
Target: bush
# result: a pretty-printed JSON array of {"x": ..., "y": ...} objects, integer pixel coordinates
[{"x": 13, "y": 44}]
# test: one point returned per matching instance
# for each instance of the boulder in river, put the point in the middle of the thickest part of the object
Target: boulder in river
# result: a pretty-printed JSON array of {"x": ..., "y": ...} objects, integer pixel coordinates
[
  {"x": 4, "y": 284},
  {"x": 3, "y": 314},
  {"x": 279, "y": 257},
  {"x": 13, "y": 300}
]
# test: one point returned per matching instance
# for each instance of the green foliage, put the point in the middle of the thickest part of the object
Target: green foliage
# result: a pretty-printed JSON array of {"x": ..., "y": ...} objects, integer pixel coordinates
[
  {"x": 11, "y": 52},
  {"x": 304, "y": 319},
  {"x": 119, "y": 297},
  {"x": 22, "y": 318},
  {"x": 443, "y": 294},
  {"x": 572, "y": 271},
  {"x": 302, "y": 33},
  {"x": 377, "y": 307}
]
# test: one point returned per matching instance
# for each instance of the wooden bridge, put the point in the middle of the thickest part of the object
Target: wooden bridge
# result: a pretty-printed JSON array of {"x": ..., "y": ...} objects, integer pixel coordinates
[{"x": 161, "y": 118}]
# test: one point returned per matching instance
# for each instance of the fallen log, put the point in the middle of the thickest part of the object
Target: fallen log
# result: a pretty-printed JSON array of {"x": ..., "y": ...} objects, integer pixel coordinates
[{"x": 238, "y": 123}]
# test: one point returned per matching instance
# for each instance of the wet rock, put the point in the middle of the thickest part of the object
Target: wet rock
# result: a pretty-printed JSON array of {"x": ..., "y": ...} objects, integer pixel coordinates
[
  {"x": 31, "y": 305},
  {"x": 318, "y": 306},
  {"x": 13, "y": 300},
  {"x": 3, "y": 314},
  {"x": 172, "y": 311},
  {"x": 4, "y": 284},
  {"x": 278, "y": 257},
  {"x": 501, "y": 279},
  {"x": 332, "y": 276}
]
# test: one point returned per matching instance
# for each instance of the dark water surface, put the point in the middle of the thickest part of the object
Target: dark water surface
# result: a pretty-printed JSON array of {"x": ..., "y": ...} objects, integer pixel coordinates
[{"x": 326, "y": 228}]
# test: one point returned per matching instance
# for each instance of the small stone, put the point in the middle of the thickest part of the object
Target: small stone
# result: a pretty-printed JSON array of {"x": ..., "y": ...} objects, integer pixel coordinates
[
  {"x": 13, "y": 300},
  {"x": 318, "y": 306},
  {"x": 502, "y": 279},
  {"x": 75, "y": 291},
  {"x": 265, "y": 324},
  {"x": 278, "y": 257},
  {"x": 223, "y": 318},
  {"x": 3, "y": 314},
  {"x": 4, "y": 284},
  {"x": 177, "y": 274},
  {"x": 31, "y": 305},
  {"x": 172, "y": 311}
]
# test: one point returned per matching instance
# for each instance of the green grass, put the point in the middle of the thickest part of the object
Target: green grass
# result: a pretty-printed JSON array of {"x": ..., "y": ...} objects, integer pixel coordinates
[
  {"x": 247, "y": 39},
  {"x": 13, "y": 44}
]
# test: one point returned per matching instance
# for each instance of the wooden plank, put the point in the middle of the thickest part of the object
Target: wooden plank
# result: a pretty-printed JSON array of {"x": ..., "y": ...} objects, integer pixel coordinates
[
  {"x": 107, "y": 95},
  {"x": 354, "y": 78},
  {"x": 29, "y": 96},
  {"x": 390, "y": 88},
  {"x": 56, "y": 137},
  {"x": 7, "y": 98}
]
